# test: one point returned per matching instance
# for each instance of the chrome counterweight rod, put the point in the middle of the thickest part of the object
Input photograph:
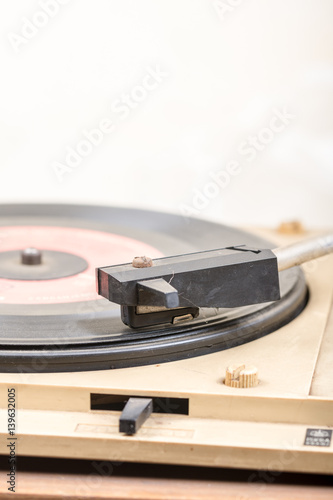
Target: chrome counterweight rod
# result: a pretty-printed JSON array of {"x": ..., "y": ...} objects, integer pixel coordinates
[{"x": 304, "y": 251}]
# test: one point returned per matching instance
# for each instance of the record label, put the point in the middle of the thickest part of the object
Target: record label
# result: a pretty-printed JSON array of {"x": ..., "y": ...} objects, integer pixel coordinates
[{"x": 97, "y": 248}]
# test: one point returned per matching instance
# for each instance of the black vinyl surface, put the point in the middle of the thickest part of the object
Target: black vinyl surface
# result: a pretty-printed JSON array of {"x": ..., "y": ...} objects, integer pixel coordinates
[{"x": 89, "y": 335}]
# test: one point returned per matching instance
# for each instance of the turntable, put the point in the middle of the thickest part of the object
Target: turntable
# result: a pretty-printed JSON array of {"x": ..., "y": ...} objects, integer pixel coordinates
[{"x": 201, "y": 353}]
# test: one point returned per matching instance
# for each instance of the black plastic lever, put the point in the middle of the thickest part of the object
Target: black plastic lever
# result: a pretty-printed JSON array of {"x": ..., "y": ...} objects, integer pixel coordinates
[
  {"x": 155, "y": 291},
  {"x": 135, "y": 413}
]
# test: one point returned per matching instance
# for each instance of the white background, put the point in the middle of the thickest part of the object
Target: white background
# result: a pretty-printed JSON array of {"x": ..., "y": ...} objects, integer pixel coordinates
[{"x": 228, "y": 66}]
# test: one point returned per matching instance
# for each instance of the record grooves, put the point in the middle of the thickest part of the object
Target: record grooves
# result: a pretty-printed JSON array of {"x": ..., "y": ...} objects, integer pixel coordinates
[{"x": 61, "y": 324}]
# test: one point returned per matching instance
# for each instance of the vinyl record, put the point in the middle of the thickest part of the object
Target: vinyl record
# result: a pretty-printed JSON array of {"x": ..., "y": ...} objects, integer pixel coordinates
[{"x": 52, "y": 319}]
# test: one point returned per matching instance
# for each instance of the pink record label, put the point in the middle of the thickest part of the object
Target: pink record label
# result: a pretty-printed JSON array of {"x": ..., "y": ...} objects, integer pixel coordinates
[{"x": 96, "y": 247}]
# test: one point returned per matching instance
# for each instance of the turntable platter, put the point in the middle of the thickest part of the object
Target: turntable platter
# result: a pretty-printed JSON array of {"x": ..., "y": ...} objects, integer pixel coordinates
[{"x": 52, "y": 319}]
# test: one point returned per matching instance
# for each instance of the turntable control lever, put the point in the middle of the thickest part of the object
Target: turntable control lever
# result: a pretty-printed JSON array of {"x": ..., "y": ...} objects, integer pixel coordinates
[{"x": 134, "y": 415}]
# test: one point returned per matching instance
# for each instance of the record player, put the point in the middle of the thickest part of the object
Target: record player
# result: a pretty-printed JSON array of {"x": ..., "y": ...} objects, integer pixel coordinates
[{"x": 201, "y": 353}]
